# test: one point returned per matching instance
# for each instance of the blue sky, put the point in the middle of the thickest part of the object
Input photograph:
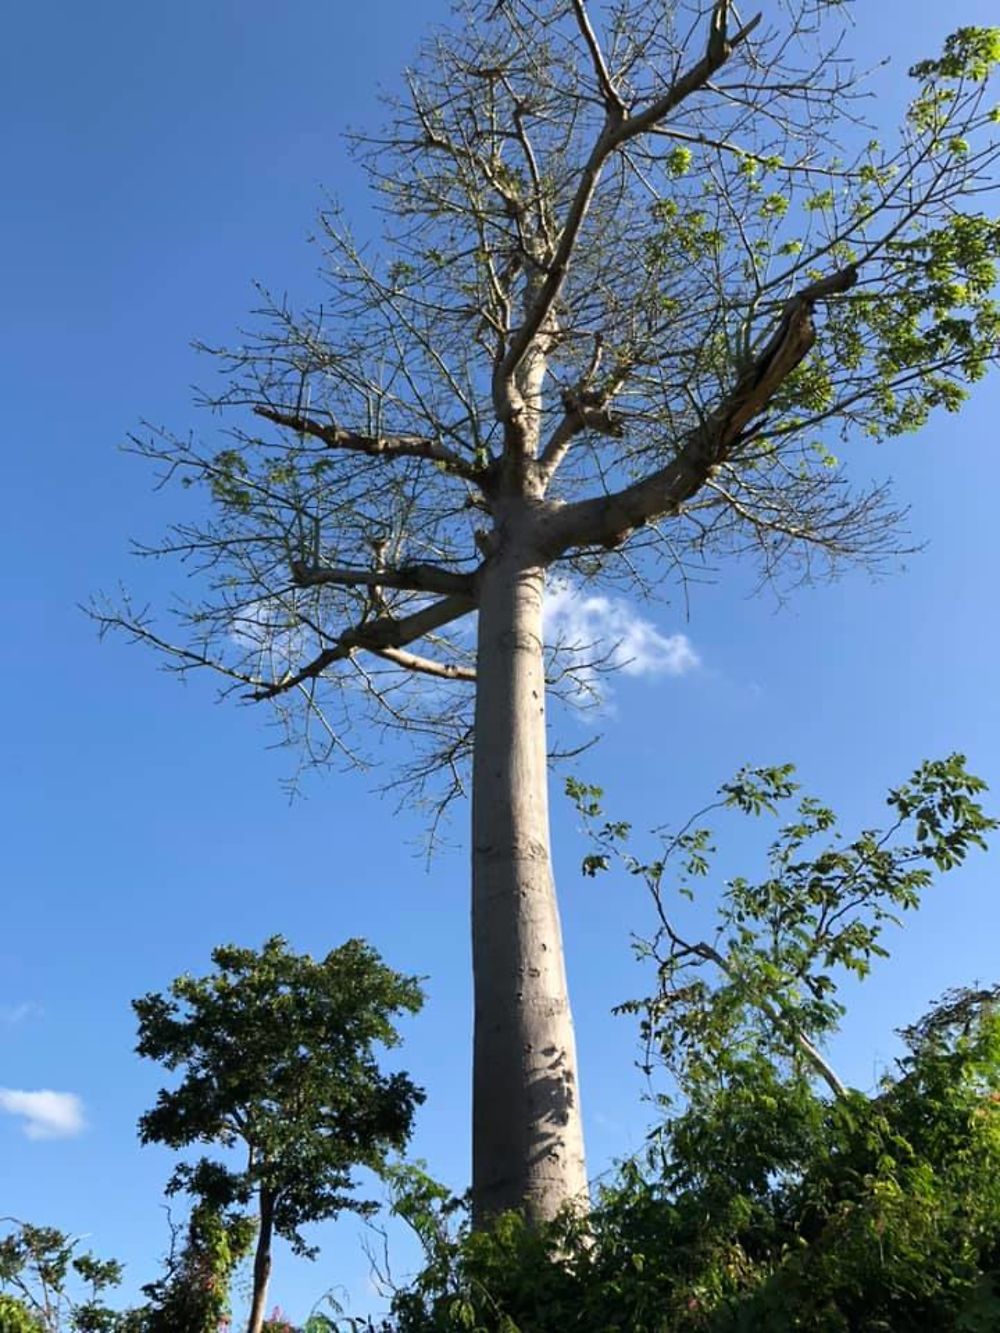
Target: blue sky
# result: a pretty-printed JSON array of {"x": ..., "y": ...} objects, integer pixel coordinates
[{"x": 157, "y": 159}]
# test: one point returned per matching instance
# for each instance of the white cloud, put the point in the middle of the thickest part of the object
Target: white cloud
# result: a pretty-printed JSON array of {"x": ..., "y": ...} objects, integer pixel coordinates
[
  {"x": 46, "y": 1114},
  {"x": 597, "y": 632},
  {"x": 13, "y": 1014}
]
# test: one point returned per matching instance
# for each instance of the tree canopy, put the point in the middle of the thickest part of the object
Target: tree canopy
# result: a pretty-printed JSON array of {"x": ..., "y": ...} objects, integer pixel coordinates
[{"x": 644, "y": 268}]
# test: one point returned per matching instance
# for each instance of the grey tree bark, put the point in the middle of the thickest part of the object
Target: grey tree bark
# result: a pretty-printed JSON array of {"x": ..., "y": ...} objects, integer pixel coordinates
[
  {"x": 527, "y": 1131},
  {"x": 261, "y": 1265}
]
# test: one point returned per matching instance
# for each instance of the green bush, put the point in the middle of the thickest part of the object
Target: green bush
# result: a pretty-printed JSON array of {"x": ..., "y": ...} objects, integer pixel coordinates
[{"x": 764, "y": 1207}]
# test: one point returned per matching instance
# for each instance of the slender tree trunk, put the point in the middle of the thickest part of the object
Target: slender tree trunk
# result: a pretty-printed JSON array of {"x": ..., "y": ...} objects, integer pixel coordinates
[
  {"x": 262, "y": 1265},
  {"x": 526, "y": 1125}
]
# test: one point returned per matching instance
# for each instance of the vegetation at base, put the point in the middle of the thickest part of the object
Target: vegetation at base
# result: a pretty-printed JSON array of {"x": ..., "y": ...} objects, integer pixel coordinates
[
  {"x": 765, "y": 1206},
  {"x": 770, "y": 1195}
]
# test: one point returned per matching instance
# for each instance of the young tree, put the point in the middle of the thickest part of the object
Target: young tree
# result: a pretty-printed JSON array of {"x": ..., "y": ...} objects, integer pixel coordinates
[
  {"x": 640, "y": 263},
  {"x": 47, "y": 1285},
  {"x": 762, "y": 984},
  {"x": 278, "y": 1057}
]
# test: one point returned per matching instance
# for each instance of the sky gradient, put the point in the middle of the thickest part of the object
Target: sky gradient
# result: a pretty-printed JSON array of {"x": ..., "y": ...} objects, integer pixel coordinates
[{"x": 157, "y": 160}]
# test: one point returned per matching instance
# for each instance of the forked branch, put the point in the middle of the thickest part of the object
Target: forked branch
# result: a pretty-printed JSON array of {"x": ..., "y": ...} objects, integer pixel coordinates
[
  {"x": 619, "y": 129},
  {"x": 781, "y": 1023},
  {"x": 381, "y": 633},
  {"x": 610, "y": 94},
  {"x": 609, "y": 520},
  {"x": 426, "y": 666}
]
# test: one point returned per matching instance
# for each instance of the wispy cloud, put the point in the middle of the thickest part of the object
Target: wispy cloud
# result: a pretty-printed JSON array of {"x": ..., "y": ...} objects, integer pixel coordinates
[
  {"x": 13, "y": 1014},
  {"x": 46, "y": 1114},
  {"x": 595, "y": 633}
]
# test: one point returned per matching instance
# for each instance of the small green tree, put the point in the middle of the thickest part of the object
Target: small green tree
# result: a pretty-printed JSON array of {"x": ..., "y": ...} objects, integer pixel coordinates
[
  {"x": 46, "y": 1286},
  {"x": 278, "y": 1055},
  {"x": 764, "y": 979}
]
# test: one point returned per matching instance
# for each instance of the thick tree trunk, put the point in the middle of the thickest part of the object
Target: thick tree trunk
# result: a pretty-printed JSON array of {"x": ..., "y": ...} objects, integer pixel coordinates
[
  {"x": 262, "y": 1265},
  {"x": 526, "y": 1125}
]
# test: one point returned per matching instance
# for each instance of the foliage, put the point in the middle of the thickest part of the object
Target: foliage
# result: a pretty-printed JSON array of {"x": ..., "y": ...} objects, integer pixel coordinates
[
  {"x": 760, "y": 1201},
  {"x": 277, "y": 1323},
  {"x": 763, "y": 1199},
  {"x": 764, "y": 978},
  {"x": 15, "y": 1316},
  {"x": 47, "y": 1286},
  {"x": 863, "y": 1214},
  {"x": 194, "y": 1293},
  {"x": 278, "y": 1054}
]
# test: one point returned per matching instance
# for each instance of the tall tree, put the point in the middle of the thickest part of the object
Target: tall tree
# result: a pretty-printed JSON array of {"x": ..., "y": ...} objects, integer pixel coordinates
[
  {"x": 277, "y": 1053},
  {"x": 640, "y": 262}
]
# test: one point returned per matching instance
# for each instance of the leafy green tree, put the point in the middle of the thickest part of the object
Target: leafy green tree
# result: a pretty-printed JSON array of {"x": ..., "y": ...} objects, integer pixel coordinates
[
  {"x": 643, "y": 265},
  {"x": 278, "y": 1057},
  {"x": 764, "y": 979},
  {"x": 15, "y": 1317},
  {"x": 47, "y": 1286}
]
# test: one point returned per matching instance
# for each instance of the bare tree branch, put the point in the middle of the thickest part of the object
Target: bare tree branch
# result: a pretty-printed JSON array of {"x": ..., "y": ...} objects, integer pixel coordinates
[
  {"x": 412, "y": 578},
  {"x": 399, "y": 446},
  {"x": 385, "y": 632},
  {"x": 617, "y": 131},
  {"x": 425, "y": 665},
  {"x": 591, "y": 305},
  {"x": 612, "y": 98}
]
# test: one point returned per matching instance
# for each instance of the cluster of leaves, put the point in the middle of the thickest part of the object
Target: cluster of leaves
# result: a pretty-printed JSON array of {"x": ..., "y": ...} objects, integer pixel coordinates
[
  {"x": 765, "y": 977},
  {"x": 318, "y": 1322},
  {"x": 194, "y": 1293},
  {"x": 47, "y": 1286}
]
